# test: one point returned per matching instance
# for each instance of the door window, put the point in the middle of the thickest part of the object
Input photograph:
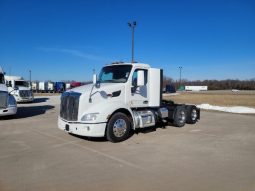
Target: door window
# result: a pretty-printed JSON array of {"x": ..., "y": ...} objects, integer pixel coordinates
[{"x": 134, "y": 77}]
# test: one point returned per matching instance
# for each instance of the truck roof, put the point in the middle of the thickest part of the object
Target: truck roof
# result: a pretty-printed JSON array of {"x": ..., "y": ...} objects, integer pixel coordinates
[
  {"x": 129, "y": 63},
  {"x": 14, "y": 78}
]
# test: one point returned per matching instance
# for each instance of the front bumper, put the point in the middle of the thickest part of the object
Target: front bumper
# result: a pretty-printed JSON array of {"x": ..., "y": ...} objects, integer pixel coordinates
[
  {"x": 25, "y": 99},
  {"x": 8, "y": 111},
  {"x": 83, "y": 129}
]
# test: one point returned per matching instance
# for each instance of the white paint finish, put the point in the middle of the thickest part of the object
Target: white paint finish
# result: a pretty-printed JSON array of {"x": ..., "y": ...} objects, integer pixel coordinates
[
  {"x": 154, "y": 87},
  {"x": 9, "y": 110},
  {"x": 90, "y": 130},
  {"x": 43, "y": 86}
]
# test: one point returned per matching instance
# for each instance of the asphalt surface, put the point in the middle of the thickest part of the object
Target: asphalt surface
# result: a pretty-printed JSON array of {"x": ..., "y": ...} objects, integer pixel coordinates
[{"x": 218, "y": 153}]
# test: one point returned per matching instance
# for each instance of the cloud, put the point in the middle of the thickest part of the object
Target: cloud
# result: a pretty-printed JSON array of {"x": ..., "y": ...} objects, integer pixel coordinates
[{"x": 72, "y": 52}]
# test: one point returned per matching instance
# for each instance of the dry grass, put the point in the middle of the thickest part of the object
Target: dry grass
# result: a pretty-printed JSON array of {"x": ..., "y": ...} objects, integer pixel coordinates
[
  {"x": 221, "y": 98},
  {"x": 46, "y": 94}
]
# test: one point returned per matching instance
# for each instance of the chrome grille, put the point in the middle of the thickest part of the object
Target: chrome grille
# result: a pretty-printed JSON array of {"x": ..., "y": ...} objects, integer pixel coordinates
[
  {"x": 24, "y": 93},
  {"x": 69, "y": 106},
  {"x": 3, "y": 99}
]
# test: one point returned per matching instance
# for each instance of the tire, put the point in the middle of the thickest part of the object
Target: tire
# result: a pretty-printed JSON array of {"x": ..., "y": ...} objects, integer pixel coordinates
[
  {"x": 179, "y": 116},
  {"x": 192, "y": 114},
  {"x": 118, "y": 128}
]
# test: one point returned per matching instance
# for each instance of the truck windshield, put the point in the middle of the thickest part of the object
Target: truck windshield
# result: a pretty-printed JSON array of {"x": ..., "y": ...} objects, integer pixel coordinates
[
  {"x": 115, "y": 74},
  {"x": 22, "y": 83},
  {"x": 1, "y": 79}
]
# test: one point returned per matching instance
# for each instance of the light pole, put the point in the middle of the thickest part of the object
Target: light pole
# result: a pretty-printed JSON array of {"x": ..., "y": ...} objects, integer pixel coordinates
[
  {"x": 30, "y": 78},
  {"x": 132, "y": 26},
  {"x": 180, "y": 67}
]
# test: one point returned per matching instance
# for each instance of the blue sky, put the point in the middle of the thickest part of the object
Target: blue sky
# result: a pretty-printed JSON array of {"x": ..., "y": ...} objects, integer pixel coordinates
[{"x": 66, "y": 40}]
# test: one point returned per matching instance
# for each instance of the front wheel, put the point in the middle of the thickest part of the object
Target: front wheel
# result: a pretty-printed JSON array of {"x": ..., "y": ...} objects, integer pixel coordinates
[{"x": 118, "y": 128}]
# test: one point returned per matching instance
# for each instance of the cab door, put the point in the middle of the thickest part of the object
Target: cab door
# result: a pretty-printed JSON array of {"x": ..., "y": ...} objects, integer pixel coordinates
[{"x": 139, "y": 94}]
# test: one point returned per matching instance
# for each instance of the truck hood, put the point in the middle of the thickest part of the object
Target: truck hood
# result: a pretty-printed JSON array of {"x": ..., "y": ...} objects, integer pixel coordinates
[
  {"x": 107, "y": 88},
  {"x": 3, "y": 87},
  {"x": 100, "y": 97}
]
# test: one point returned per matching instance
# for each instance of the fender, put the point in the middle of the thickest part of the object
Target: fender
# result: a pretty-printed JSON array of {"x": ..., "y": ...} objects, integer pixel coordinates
[{"x": 107, "y": 109}]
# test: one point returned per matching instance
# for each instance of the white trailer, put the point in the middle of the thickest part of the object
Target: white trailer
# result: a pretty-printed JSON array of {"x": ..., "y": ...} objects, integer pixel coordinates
[
  {"x": 8, "y": 104},
  {"x": 126, "y": 96},
  {"x": 43, "y": 87},
  {"x": 35, "y": 86},
  {"x": 196, "y": 88},
  {"x": 19, "y": 88},
  {"x": 50, "y": 86}
]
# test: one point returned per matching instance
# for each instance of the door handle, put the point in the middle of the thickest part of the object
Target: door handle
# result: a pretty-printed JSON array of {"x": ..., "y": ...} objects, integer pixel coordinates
[{"x": 145, "y": 102}]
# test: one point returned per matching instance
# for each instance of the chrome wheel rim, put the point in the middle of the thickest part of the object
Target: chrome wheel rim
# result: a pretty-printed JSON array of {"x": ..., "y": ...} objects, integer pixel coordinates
[
  {"x": 194, "y": 114},
  {"x": 182, "y": 117},
  {"x": 119, "y": 127}
]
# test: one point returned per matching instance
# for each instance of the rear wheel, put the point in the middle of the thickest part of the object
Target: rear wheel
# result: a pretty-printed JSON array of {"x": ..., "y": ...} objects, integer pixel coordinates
[
  {"x": 192, "y": 114},
  {"x": 118, "y": 128},
  {"x": 179, "y": 116}
]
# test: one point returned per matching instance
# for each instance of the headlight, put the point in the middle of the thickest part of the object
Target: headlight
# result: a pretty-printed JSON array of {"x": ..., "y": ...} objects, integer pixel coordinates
[
  {"x": 11, "y": 101},
  {"x": 89, "y": 117},
  {"x": 16, "y": 93}
]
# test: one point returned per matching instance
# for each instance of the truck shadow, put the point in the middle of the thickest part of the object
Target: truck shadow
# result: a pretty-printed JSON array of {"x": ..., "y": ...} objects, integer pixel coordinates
[
  {"x": 24, "y": 112},
  {"x": 40, "y": 100},
  {"x": 151, "y": 129},
  {"x": 93, "y": 139},
  {"x": 132, "y": 133}
]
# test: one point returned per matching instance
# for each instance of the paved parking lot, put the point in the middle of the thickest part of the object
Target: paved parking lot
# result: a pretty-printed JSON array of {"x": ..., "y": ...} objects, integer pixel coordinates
[{"x": 216, "y": 154}]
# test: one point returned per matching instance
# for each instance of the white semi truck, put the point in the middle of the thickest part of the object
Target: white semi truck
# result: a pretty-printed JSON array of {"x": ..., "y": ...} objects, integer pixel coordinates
[
  {"x": 8, "y": 104},
  {"x": 19, "y": 88},
  {"x": 126, "y": 96}
]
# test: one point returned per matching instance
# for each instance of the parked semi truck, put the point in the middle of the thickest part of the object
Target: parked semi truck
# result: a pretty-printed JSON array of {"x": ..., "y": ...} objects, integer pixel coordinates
[
  {"x": 19, "y": 88},
  {"x": 126, "y": 96},
  {"x": 8, "y": 104},
  {"x": 59, "y": 87}
]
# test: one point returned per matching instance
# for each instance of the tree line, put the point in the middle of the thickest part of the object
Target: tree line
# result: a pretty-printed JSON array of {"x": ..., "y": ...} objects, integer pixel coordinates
[{"x": 213, "y": 84}]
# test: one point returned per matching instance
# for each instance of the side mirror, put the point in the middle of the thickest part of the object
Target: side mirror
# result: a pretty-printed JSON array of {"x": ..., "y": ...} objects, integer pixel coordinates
[
  {"x": 94, "y": 79},
  {"x": 140, "y": 78},
  {"x": 8, "y": 83}
]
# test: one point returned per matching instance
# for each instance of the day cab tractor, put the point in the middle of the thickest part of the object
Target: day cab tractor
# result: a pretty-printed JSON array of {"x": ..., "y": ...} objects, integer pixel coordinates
[{"x": 126, "y": 96}]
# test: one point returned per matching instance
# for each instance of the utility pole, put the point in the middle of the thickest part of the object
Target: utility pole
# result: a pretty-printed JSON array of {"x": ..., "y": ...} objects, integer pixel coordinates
[{"x": 132, "y": 25}]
